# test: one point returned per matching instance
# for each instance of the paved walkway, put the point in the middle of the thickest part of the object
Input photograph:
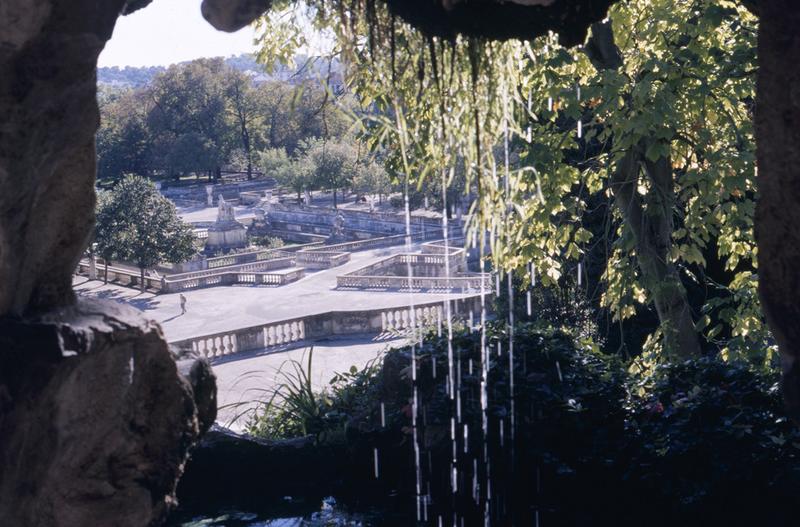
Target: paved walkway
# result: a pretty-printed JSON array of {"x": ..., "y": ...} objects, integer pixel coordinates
[
  {"x": 250, "y": 378},
  {"x": 218, "y": 309},
  {"x": 209, "y": 214}
]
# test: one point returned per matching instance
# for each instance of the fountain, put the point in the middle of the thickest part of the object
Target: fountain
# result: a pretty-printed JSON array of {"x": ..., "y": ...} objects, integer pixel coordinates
[{"x": 226, "y": 233}]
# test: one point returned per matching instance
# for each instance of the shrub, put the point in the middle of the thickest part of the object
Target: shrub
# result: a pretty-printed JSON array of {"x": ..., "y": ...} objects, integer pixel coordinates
[
  {"x": 295, "y": 409},
  {"x": 709, "y": 439},
  {"x": 700, "y": 442}
]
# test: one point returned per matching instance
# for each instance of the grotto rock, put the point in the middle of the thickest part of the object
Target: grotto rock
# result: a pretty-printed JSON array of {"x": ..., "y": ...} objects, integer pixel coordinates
[
  {"x": 95, "y": 419},
  {"x": 778, "y": 208},
  {"x": 230, "y": 468},
  {"x": 233, "y": 15}
]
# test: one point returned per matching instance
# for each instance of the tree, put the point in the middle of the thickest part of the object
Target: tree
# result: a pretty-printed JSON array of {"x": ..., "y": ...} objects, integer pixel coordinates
[
  {"x": 372, "y": 178},
  {"x": 243, "y": 105},
  {"x": 124, "y": 143},
  {"x": 189, "y": 118},
  {"x": 136, "y": 223},
  {"x": 275, "y": 163},
  {"x": 107, "y": 232},
  {"x": 328, "y": 164},
  {"x": 657, "y": 125}
]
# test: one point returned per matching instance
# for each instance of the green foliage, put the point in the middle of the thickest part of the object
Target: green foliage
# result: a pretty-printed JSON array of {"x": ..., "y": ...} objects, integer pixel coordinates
[
  {"x": 699, "y": 440},
  {"x": 200, "y": 116},
  {"x": 268, "y": 242},
  {"x": 295, "y": 409},
  {"x": 136, "y": 223},
  {"x": 679, "y": 97},
  {"x": 564, "y": 307},
  {"x": 710, "y": 432},
  {"x": 371, "y": 177}
]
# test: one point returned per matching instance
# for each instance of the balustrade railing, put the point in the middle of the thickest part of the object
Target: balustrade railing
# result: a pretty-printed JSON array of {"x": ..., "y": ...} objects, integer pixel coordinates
[
  {"x": 121, "y": 276},
  {"x": 281, "y": 333},
  {"x": 231, "y": 278}
]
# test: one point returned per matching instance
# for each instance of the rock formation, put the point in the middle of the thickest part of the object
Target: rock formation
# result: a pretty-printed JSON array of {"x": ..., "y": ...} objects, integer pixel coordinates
[
  {"x": 95, "y": 416},
  {"x": 95, "y": 420}
]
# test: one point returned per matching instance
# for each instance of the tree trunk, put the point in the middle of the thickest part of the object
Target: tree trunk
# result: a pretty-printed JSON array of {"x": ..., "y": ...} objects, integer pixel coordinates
[
  {"x": 777, "y": 222},
  {"x": 105, "y": 278},
  {"x": 246, "y": 146},
  {"x": 650, "y": 222},
  {"x": 649, "y": 218},
  {"x": 141, "y": 279},
  {"x": 334, "y": 197}
]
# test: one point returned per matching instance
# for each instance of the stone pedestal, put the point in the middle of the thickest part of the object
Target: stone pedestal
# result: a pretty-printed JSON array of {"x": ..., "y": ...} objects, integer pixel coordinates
[
  {"x": 226, "y": 233},
  {"x": 96, "y": 418}
]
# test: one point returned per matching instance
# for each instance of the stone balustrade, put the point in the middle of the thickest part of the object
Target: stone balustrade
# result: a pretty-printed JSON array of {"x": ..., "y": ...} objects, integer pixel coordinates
[
  {"x": 285, "y": 332},
  {"x": 282, "y": 261},
  {"x": 121, "y": 276},
  {"x": 230, "y": 278},
  {"x": 318, "y": 259},
  {"x": 245, "y": 257},
  {"x": 429, "y": 284},
  {"x": 438, "y": 246}
]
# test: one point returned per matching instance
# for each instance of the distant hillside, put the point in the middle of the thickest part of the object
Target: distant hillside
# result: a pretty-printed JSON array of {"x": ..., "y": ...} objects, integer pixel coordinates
[
  {"x": 304, "y": 68},
  {"x": 127, "y": 76}
]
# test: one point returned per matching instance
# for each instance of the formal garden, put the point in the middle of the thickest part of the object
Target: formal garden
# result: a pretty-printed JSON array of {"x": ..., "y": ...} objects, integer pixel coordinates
[
  {"x": 620, "y": 367},
  {"x": 545, "y": 222}
]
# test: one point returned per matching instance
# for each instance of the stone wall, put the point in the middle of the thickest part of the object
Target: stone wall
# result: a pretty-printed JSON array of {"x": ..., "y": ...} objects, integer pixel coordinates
[{"x": 96, "y": 417}]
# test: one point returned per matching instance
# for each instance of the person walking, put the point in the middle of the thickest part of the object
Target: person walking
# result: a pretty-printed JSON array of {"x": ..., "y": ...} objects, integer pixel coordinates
[{"x": 183, "y": 304}]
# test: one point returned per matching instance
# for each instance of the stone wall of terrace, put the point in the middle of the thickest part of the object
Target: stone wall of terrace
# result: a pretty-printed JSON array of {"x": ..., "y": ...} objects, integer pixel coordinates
[
  {"x": 274, "y": 335},
  {"x": 321, "y": 219}
]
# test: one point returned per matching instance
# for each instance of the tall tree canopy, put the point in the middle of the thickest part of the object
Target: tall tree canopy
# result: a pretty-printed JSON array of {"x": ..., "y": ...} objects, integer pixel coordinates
[
  {"x": 649, "y": 121},
  {"x": 200, "y": 116}
]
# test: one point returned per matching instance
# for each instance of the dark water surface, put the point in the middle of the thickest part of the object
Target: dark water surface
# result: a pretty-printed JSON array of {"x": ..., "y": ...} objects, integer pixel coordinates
[{"x": 289, "y": 512}]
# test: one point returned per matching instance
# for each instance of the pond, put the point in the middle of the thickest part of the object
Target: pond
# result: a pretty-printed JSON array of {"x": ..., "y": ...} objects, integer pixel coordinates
[{"x": 289, "y": 512}]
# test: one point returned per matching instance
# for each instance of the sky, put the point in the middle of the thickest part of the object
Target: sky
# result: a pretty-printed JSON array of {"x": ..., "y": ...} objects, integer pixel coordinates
[{"x": 167, "y": 32}]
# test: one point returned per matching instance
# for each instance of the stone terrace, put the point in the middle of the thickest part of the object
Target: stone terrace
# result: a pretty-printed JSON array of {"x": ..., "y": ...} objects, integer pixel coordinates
[{"x": 226, "y": 308}]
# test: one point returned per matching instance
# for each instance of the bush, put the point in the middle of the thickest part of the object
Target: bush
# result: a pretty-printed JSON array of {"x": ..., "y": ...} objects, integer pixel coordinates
[
  {"x": 295, "y": 409},
  {"x": 267, "y": 242},
  {"x": 700, "y": 442},
  {"x": 563, "y": 307},
  {"x": 709, "y": 439}
]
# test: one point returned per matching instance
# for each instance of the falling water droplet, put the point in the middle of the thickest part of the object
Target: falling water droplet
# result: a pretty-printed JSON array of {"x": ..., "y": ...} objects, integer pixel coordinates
[
  {"x": 580, "y": 128},
  {"x": 377, "y": 473},
  {"x": 558, "y": 370},
  {"x": 383, "y": 415},
  {"x": 580, "y": 274},
  {"x": 549, "y": 104},
  {"x": 528, "y": 301}
]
